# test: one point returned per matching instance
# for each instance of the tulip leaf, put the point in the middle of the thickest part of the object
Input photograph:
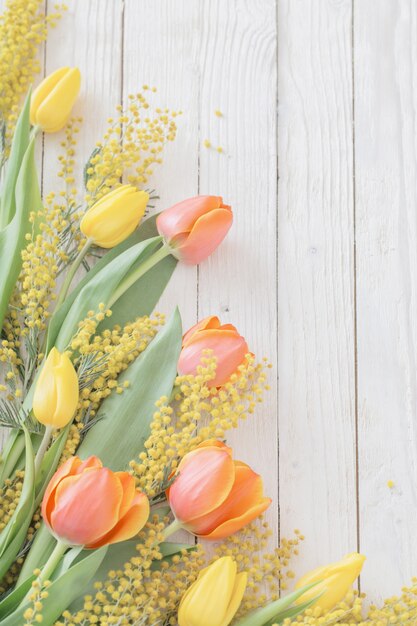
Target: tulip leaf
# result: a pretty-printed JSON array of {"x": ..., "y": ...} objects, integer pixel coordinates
[
  {"x": 49, "y": 464},
  {"x": 63, "y": 590},
  {"x": 138, "y": 300},
  {"x": 292, "y": 612},
  {"x": 273, "y": 610},
  {"x": 121, "y": 433},
  {"x": 40, "y": 551},
  {"x": 12, "y": 236},
  {"x": 10, "y": 602},
  {"x": 19, "y": 146},
  {"x": 99, "y": 289},
  {"x": 13, "y": 535}
]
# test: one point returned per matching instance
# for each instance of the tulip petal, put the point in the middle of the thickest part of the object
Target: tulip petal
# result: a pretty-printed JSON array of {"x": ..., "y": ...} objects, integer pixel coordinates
[
  {"x": 128, "y": 484},
  {"x": 86, "y": 506},
  {"x": 236, "y": 599},
  {"x": 181, "y": 217},
  {"x": 207, "y": 234},
  {"x": 243, "y": 504},
  {"x": 228, "y": 347},
  {"x": 129, "y": 525},
  {"x": 54, "y": 110},
  {"x": 205, "y": 478},
  {"x": 208, "y": 322},
  {"x": 43, "y": 90},
  {"x": 67, "y": 469}
]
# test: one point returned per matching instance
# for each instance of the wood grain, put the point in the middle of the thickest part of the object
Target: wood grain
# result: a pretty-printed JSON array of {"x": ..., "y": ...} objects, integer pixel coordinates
[
  {"x": 316, "y": 279},
  {"x": 386, "y": 239}
]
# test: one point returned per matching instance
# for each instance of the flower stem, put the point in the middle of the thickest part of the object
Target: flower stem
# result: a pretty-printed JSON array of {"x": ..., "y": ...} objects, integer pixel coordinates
[
  {"x": 171, "y": 529},
  {"x": 144, "y": 267},
  {"x": 71, "y": 273},
  {"x": 49, "y": 567},
  {"x": 43, "y": 448}
]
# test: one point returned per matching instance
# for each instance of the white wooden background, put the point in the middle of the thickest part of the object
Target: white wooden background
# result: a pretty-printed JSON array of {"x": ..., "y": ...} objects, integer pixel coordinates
[{"x": 320, "y": 270}]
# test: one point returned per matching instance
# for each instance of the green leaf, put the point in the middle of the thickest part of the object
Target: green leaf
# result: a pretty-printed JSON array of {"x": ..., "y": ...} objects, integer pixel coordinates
[
  {"x": 63, "y": 591},
  {"x": 19, "y": 146},
  {"x": 139, "y": 300},
  {"x": 39, "y": 553},
  {"x": 123, "y": 428},
  {"x": 49, "y": 464},
  {"x": 13, "y": 535},
  {"x": 292, "y": 612},
  {"x": 273, "y": 610},
  {"x": 15, "y": 597},
  {"x": 12, "y": 237}
]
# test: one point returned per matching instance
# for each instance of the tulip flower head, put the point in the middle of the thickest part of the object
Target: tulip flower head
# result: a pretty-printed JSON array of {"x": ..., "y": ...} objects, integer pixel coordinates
[
  {"x": 214, "y": 598},
  {"x": 229, "y": 348},
  {"x": 195, "y": 227},
  {"x": 56, "y": 392},
  {"x": 88, "y": 505},
  {"x": 53, "y": 99},
  {"x": 115, "y": 216},
  {"x": 214, "y": 496},
  {"x": 334, "y": 581}
]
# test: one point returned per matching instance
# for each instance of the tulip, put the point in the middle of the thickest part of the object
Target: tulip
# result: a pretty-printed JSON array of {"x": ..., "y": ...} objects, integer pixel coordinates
[
  {"x": 195, "y": 227},
  {"x": 334, "y": 581},
  {"x": 53, "y": 99},
  {"x": 213, "y": 496},
  {"x": 229, "y": 348},
  {"x": 115, "y": 216},
  {"x": 214, "y": 598},
  {"x": 88, "y": 505},
  {"x": 56, "y": 392}
]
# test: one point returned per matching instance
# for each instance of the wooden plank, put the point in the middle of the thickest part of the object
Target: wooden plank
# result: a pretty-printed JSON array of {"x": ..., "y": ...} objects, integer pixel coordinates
[
  {"x": 385, "y": 66},
  {"x": 238, "y": 283},
  {"x": 160, "y": 44},
  {"x": 316, "y": 279}
]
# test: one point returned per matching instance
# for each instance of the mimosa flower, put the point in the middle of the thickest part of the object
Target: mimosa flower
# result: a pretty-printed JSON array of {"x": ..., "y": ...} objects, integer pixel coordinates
[
  {"x": 89, "y": 505},
  {"x": 213, "y": 496},
  {"x": 56, "y": 392},
  {"x": 334, "y": 581},
  {"x": 214, "y": 598},
  {"x": 229, "y": 348},
  {"x": 115, "y": 216},
  {"x": 53, "y": 99},
  {"x": 195, "y": 227}
]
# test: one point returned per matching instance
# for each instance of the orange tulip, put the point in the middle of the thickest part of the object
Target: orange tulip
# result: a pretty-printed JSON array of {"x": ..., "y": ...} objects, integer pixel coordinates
[
  {"x": 195, "y": 227},
  {"x": 213, "y": 496},
  {"x": 87, "y": 504},
  {"x": 229, "y": 348}
]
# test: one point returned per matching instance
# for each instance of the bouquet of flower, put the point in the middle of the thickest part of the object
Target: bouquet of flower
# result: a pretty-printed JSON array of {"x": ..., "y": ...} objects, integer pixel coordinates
[{"x": 117, "y": 419}]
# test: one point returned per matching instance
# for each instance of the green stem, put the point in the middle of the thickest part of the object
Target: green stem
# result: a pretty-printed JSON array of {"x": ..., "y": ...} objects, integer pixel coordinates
[
  {"x": 171, "y": 529},
  {"x": 71, "y": 273},
  {"x": 43, "y": 448},
  {"x": 144, "y": 267},
  {"x": 35, "y": 130},
  {"x": 51, "y": 564}
]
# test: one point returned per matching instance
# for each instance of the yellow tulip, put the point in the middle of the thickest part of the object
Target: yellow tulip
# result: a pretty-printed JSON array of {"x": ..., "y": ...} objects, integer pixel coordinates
[
  {"x": 115, "y": 216},
  {"x": 56, "y": 391},
  {"x": 53, "y": 99},
  {"x": 334, "y": 581},
  {"x": 214, "y": 598}
]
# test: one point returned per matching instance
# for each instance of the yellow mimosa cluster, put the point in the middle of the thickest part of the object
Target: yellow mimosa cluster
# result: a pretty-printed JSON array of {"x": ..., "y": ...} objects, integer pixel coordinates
[
  {"x": 196, "y": 413},
  {"x": 132, "y": 144},
  {"x": 23, "y": 28}
]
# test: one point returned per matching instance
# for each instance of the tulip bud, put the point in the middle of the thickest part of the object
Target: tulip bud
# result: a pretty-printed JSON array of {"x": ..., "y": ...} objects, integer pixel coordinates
[
  {"x": 195, "y": 227},
  {"x": 334, "y": 581},
  {"x": 229, "y": 348},
  {"x": 115, "y": 216},
  {"x": 56, "y": 393},
  {"x": 88, "y": 505},
  {"x": 214, "y": 598},
  {"x": 53, "y": 99},
  {"x": 213, "y": 496}
]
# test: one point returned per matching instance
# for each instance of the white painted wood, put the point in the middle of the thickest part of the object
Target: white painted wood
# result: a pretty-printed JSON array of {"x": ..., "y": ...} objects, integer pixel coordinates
[
  {"x": 386, "y": 239},
  {"x": 316, "y": 279},
  {"x": 238, "y": 283},
  {"x": 160, "y": 49}
]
